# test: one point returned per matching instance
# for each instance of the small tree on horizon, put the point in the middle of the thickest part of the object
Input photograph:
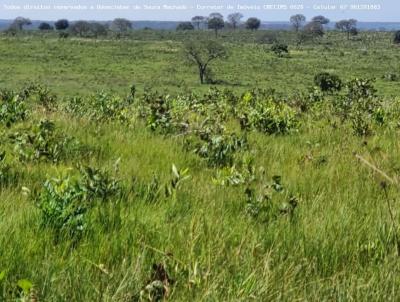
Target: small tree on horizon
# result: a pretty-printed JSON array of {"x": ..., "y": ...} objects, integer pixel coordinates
[
  {"x": 98, "y": 29},
  {"x": 235, "y": 19},
  {"x": 61, "y": 24},
  {"x": 202, "y": 53},
  {"x": 121, "y": 25},
  {"x": 45, "y": 26},
  {"x": 19, "y": 23},
  {"x": 198, "y": 20},
  {"x": 347, "y": 26},
  {"x": 321, "y": 20},
  {"x": 185, "y": 26},
  {"x": 216, "y": 22},
  {"x": 396, "y": 39},
  {"x": 297, "y": 21},
  {"x": 314, "y": 29},
  {"x": 80, "y": 28},
  {"x": 253, "y": 23}
]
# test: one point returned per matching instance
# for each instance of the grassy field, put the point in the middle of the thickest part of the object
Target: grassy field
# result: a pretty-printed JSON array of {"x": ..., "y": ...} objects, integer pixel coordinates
[
  {"x": 83, "y": 66},
  {"x": 147, "y": 198}
]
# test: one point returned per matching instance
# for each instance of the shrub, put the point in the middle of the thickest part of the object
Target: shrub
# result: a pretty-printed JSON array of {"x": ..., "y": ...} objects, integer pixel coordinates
[
  {"x": 65, "y": 202},
  {"x": 272, "y": 201},
  {"x": 185, "y": 26},
  {"x": 361, "y": 105},
  {"x": 328, "y": 82},
  {"x": 396, "y": 38},
  {"x": 280, "y": 49},
  {"x": 391, "y": 77},
  {"x": 220, "y": 149},
  {"x": 61, "y": 24},
  {"x": 267, "y": 116},
  {"x": 45, "y": 26},
  {"x": 12, "y": 108},
  {"x": 43, "y": 142},
  {"x": 101, "y": 107},
  {"x": 4, "y": 169}
]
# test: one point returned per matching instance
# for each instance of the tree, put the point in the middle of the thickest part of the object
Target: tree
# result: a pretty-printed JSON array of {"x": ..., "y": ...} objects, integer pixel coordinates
[
  {"x": 321, "y": 20},
  {"x": 216, "y": 15},
  {"x": 297, "y": 21},
  {"x": 235, "y": 19},
  {"x": 253, "y": 23},
  {"x": 45, "y": 26},
  {"x": 313, "y": 29},
  {"x": 185, "y": 26},
  {"x": 121, "y": 25},
  {"x": 347, "y": 26},
  {"x": 62, "y": 24},
  {"x": 396, "y": 38},
  {"x": 19, "y": 23},
  {"x": 98, "y": 29},
  {"x": 81, "y": 28},
  {"x": 202, "y": 53},
  {"x": 198, "y": 20},
  {"x": 216, "y": 22},
  {"x": 280, "y": 49},
  {"x": 328, "y": 82}
]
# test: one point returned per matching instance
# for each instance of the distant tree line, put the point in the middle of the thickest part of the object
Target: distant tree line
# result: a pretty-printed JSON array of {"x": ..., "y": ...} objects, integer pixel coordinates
[
  {"x": 81, "y": 28},
  {"x": 313, "y": 29},
  {"x": 216, "y": 22}
]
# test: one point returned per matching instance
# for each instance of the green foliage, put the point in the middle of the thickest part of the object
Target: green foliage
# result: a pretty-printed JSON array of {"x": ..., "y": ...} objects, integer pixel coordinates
[
  {"x": 43, "y": 142},
  {"x": 241, "y": 173},
  {"x": 280, "y": 49},
  {"x": 396, "y": 38},
  {"x": 328, "y": 82},
  {"x": 253, "y": 23},
  {"x": 4, "y": 169},
  {"x": 12, "y": 108},
  {"x": 101, "y": 107},
  {"x": 391, "y": 77},
  {"x": 65, "y": 202},
  {"x": 219, "y": 149},
  {"x": 361, "y": 105},
  {"x": 185, "y": 26},
  {"x": 270, "y": 202},
  {"x": 266, "y": 114},
  {"x": 336, "y": 245}
]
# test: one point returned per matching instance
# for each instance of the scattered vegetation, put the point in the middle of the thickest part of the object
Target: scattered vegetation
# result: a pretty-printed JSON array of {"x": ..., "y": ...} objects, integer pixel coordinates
[{"x": 200, "y": 192}]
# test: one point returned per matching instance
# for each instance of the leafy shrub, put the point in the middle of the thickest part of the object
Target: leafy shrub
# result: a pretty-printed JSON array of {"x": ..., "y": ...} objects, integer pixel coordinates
[
  {"x": 361, "y": 89},
  {"x": 242, "y": 173},
  {"x": 361, "y": 106},
  {"x": 165, "y": 114},
  {"x": 45, "y": 98},
  {"x": 160, "y": 115},
  {"x": 220, "y": 149},
  {"x": 280, "y": 49},
  {"x": 12, "y": 108},
  {"x": 4, "y": 169},
  {"x": 65, "y": 202},
  {"x": 396, "y": 38},
  {"x": 328, "y": 82},
  {"x": 43, "y": 142},
  {"x": 101, "y": 107},
  {"x": 391, "y": 77},
  {"x": 270, "y": 202},
  {"x": 266, "y": 115}
]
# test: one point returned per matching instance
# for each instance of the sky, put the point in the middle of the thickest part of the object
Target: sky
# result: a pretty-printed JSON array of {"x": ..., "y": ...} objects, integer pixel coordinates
[{"x": 181, "y": 10}]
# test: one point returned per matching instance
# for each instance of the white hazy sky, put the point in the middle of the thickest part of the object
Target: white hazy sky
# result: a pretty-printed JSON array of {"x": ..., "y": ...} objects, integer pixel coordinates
[{"x": 363, "y": 10}]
